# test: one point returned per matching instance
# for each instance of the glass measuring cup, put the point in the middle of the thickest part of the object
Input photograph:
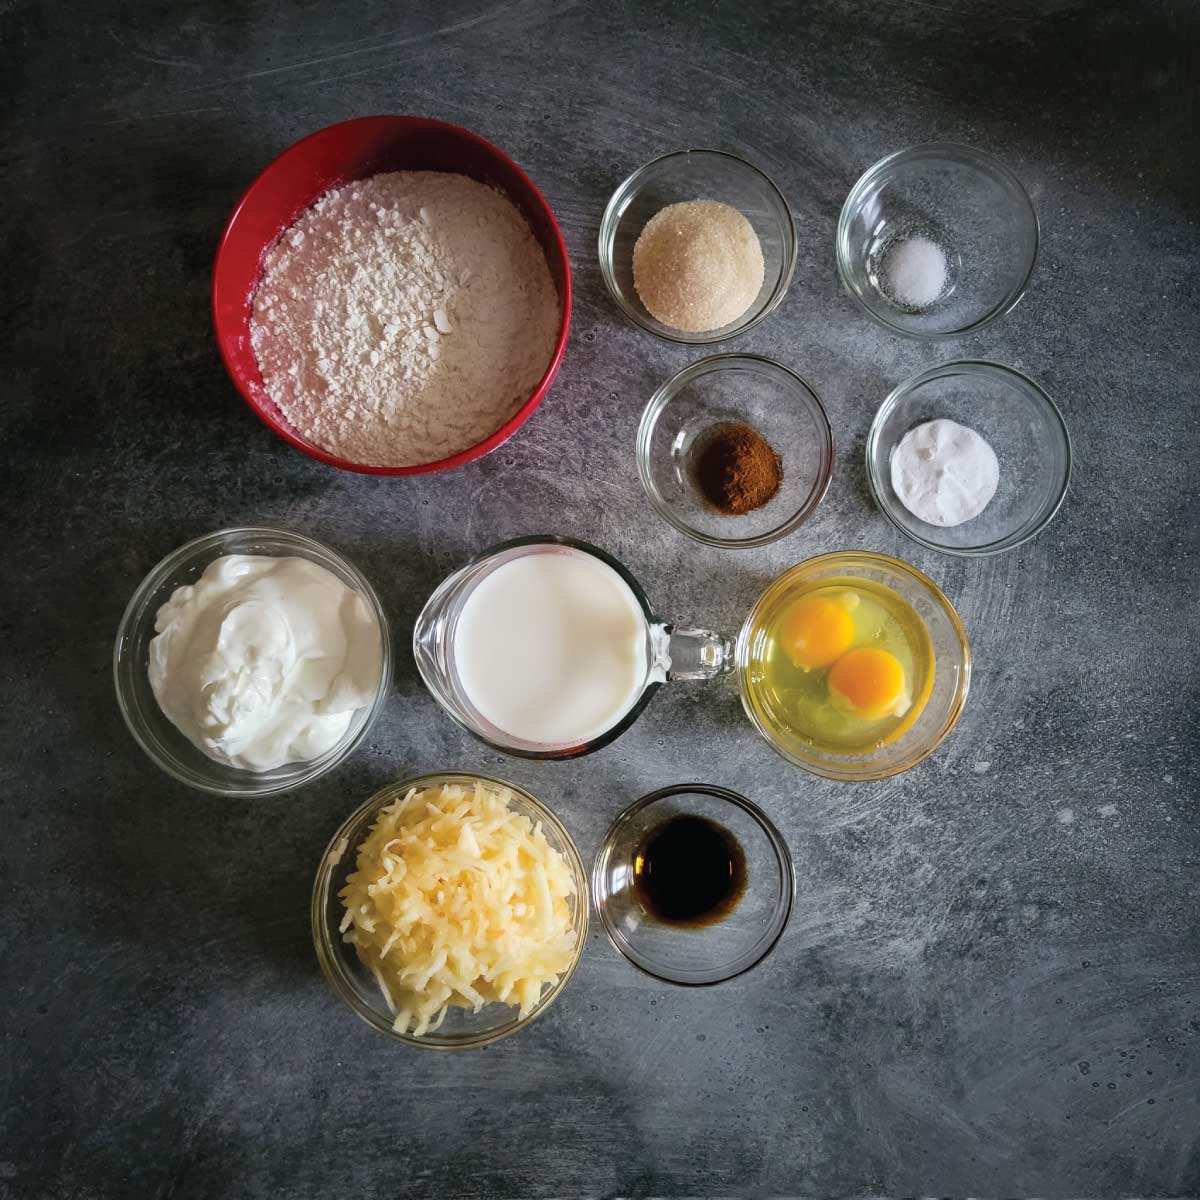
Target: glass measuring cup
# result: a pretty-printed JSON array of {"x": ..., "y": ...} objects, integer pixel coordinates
[{"x": 668, "y": 653}]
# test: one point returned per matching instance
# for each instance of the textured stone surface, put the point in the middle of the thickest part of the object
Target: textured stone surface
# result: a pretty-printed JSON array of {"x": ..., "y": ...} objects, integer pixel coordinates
[{"x": 991, "y": 984}]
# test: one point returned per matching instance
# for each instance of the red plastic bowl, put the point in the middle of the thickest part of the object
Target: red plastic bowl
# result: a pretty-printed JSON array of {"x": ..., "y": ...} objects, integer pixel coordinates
[{"x": 337, "y": 155}]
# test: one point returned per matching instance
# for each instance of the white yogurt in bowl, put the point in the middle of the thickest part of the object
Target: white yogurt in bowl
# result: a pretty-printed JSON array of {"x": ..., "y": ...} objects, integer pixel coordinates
[{"x": 264, "y": 661}]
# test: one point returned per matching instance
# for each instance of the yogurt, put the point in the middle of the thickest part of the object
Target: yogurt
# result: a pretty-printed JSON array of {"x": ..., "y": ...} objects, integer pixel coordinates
[
  {"x": 264, "y": 661},
  {"x": 551, "y": 648}
]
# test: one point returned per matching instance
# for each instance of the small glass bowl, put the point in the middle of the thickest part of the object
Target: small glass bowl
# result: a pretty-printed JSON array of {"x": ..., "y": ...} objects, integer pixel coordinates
[
  {"x": 695, "y": 956},
  {"x": 697, "y": 175},
  {"x": 721, "y": 389},
  {"x": 968, "y": 203},
  {"x": 354, "y": 983},
  {"x": 1015, "y": 417},
  {"x": 951, "y": 675},
  {"x": 166, "y": 746}
]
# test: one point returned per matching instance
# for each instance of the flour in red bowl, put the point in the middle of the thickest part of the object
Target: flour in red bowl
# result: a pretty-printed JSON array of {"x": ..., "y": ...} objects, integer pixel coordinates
[{"x": 404, "y": 318}]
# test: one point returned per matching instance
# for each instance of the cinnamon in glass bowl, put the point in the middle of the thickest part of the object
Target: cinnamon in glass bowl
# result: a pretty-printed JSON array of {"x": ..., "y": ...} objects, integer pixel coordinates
[{"x": 736, "y": 468}]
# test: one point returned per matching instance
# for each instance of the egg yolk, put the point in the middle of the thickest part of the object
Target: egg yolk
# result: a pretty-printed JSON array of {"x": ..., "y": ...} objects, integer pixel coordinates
[
  {"x": 869, "y": 683},
  {"x": 816, "y": 631}
]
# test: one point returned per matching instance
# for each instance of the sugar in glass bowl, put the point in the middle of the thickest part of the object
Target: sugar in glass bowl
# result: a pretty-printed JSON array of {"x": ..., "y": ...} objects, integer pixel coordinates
[
  {"x": 353, "y": 982},
  {"x": 167, "y": 748},
  {"x": 734, "y": 389},
  {"x": 1020, "y": 423},
  {"x": 697, "y": 175},
  {"x": 970, "y": 206}
]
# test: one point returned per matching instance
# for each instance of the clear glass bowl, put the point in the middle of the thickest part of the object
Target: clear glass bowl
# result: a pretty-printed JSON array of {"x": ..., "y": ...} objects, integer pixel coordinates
[
  {"x": 166, "y": 746},
  {"x": 354, "y": 983},
  {"x": 695, "y": 955},
  {"x": 968, "y": 203},
  {"x": 1015, "y": 417},
  {"x": 697, "y": 175},
  {"x": 951, "y": 677},
  {"x": 734, "y": 388}
]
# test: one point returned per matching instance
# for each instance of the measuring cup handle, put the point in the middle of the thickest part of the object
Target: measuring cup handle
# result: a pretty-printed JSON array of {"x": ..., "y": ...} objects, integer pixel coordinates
[{"x": 694, "y": 653}]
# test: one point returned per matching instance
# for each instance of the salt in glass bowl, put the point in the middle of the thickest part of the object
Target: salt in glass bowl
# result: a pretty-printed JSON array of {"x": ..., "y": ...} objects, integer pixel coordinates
[
  {"x": 965, "y": 201},
  {"x": 695, "y": 955},
  {"x": 1020, "y": 423},
  {"x": 734, "y": 388},
  {"x": 353, "y": 983},
  {"x": 697, "y": 175},
  {"x": 951, "y": 670},
  {"x": 167, "y": 748}
]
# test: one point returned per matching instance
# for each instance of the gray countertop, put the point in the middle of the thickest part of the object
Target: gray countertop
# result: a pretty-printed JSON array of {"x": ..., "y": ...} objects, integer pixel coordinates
[{"x": 991, "y": 983}]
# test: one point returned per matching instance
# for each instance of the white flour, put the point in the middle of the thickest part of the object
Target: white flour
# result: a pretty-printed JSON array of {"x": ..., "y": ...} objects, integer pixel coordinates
[{"x": 404, "y": 318}]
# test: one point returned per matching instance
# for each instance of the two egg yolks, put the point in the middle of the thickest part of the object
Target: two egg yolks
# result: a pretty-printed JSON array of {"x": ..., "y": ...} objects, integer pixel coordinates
[{"x": 868, "y": 682}]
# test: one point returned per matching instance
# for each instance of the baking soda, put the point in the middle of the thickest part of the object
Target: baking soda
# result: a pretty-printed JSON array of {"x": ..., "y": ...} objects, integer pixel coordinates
[{"x": 944, "y": 473}]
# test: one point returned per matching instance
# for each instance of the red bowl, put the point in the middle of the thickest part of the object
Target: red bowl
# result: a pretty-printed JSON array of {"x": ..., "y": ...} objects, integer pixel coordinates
[{"x": 337, "y": 155}]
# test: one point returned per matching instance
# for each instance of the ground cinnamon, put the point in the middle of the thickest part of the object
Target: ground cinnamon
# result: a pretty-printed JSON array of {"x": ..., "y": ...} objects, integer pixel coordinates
[{"x": 736, "y": 469}]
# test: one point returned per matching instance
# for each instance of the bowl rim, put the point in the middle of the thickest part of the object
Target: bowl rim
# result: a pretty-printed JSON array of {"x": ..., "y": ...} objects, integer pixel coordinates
[
  {"x": 967, "y": 366},
  {"x": 327, "y": 954},
  {"x": 135, "y": 609},
  {"x": 863, "y": 773},
  {"x": 666, "y": 392},
  {"x": 278, "y": 425},
  {"x": 933, "y": 150},
  {"x": 608, "y": 225},
  {"x": 775, "y": 838}
]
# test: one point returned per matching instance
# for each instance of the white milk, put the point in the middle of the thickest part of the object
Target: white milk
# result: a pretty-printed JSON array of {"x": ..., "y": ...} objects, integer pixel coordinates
[{"x": 551, "y": 648}]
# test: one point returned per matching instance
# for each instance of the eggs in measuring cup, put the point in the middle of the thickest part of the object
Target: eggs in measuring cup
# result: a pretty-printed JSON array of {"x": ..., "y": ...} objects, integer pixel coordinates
[{"x": 848, "y": 665}]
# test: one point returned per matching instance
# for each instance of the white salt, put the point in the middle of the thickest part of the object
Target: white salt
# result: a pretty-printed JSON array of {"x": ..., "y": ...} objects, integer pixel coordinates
[{"x": 916, "y": 271}]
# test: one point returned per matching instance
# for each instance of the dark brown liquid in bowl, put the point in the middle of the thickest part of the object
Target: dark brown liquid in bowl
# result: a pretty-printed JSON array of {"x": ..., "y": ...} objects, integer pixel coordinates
[{"x": 689, "y": 871}]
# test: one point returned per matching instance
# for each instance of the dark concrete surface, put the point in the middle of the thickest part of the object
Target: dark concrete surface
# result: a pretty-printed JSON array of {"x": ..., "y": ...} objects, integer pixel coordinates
[{"x": 991, "y": 984}]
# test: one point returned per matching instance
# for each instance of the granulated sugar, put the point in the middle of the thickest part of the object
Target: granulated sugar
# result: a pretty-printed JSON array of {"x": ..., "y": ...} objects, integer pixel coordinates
[
  {"x": 697, "y": 265},
  {"x": 404, "y": 318}
]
